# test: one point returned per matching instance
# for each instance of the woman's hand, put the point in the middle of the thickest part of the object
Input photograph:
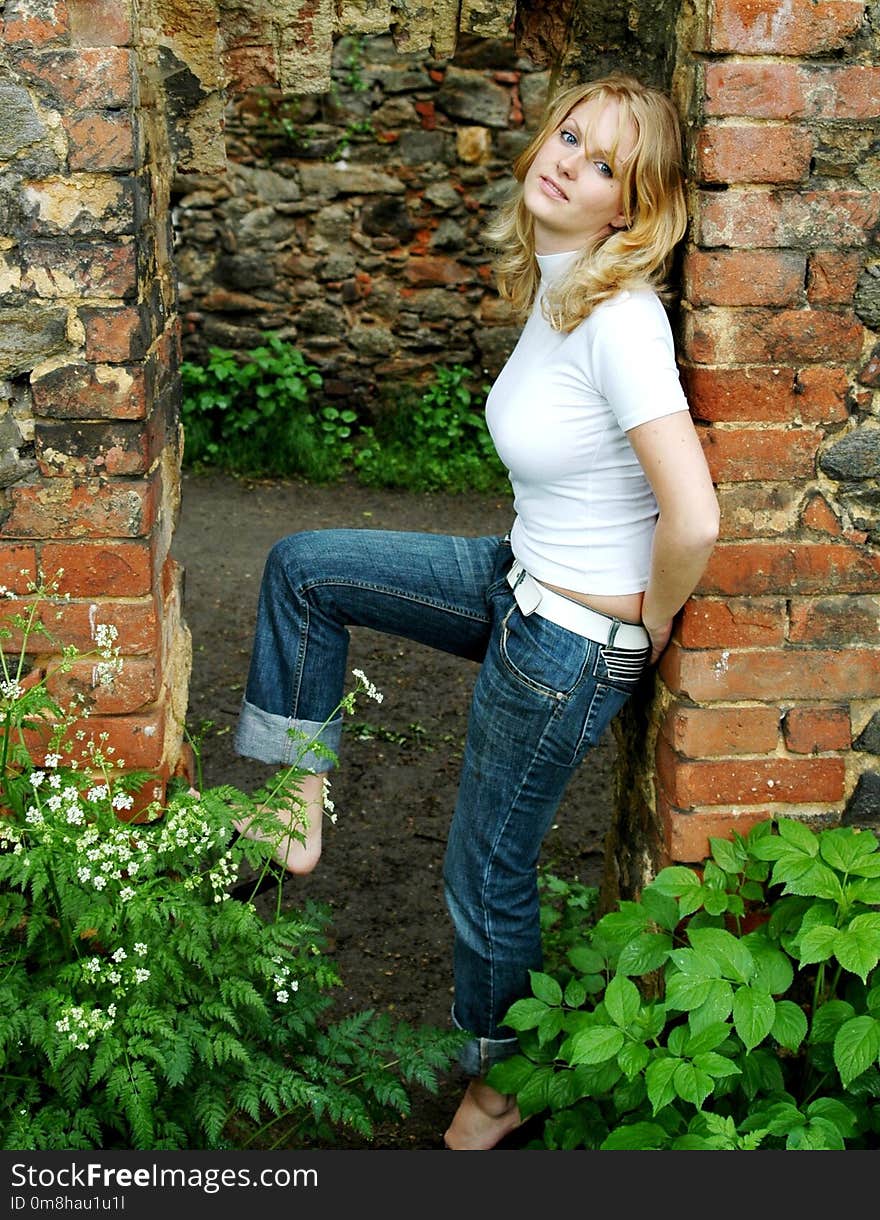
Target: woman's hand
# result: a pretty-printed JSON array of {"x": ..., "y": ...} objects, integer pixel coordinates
[{"x": 659, "y": 639}]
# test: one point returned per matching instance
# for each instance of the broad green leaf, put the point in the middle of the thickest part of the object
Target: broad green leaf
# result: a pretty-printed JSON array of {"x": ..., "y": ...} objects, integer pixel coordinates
[
  {"x": 732, "y": 955},
  {"x": 754, "y": 1011},
  {"x": 817, "y": 945},
  {"x": 856, "y": 1047},
  {"x": 525, "y": 1014},
  {"x": 714, "y": 878},
  {"x": 717, "y": 1006},
  {"x": 844, "y": 847},
  {"x": 812, "y": 879},
  {"x": 715, "y": 1065},
  {"x": 659, "y": 1078},
  {"x": 828, "y": 1019},
  {"x": 834, "y": 1111},
  {"x": 700, "y": 965},
  {"x": 545, "y": 987},
  {"x": 634, "y": 1137},
  {"x": 633, "y": 1058},
  {"x": 782, "y": 1118},
  {"x": 534, "y": 1095},
  {"x": 644, "y": 953},
  {"x": 509, "y": 1075},
  {"x": 873, "y": 999},
  {"x": 715, "y": 902},
  {"x": 707, "y": 1038},
  {"x": 730, "y": 857},
  {"x": 691, "y": 1084},
  {"x": 868, "y": 867},
  {"x": 575, "y": 993},
  {"x": 662, "y": 908},
  {"x": 596, "y": 1045},
  {"x": 774, "y": 970},
  {"x": 866, "y": 890},
  {"x": 685, "y": 991},
  {"x": 857, "y": 947},
  {"x": 622, "y": 1001},
  {"x": 586, "y": 960},
  {"x": 676, "y": 881},
  {"x": 562, "y": 1091},
  {"x": 789, "y": 1025},
  {"x": 551, "y": 1024},
  {"x": 771, "y": 847},
  {"x": 818, "y": 1135},
  {"x": 799, "y": 835}
]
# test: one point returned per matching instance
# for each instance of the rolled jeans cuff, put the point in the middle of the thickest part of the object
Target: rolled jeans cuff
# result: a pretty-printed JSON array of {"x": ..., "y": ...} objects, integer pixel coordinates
[
  {"x": 479, "y": 1054},
  {"x": 283, "y": 741}
]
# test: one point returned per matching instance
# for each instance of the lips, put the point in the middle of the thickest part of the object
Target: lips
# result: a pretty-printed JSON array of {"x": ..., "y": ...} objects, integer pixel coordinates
[{"x": 551, "y": 188}]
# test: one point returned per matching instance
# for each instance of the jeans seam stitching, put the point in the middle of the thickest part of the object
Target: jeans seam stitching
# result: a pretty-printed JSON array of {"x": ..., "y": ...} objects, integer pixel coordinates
[{"x": 405, "y": 597}]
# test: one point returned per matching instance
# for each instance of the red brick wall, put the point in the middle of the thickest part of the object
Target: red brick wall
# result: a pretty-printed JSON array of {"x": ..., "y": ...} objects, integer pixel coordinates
[
  {"x": 86, "y": 244},
  {"x": 775, "y": 665}
]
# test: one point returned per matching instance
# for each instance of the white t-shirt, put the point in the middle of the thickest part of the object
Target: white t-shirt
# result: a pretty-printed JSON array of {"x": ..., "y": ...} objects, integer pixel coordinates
[{"x": 558, "y": 414}]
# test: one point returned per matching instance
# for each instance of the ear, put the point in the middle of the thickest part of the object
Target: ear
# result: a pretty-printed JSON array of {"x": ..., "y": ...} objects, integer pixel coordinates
[{"x": 619, "y": 222}]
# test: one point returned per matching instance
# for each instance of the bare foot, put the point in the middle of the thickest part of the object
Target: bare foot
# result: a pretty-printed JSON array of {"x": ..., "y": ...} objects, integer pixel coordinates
[
  {"x": 297, "y": 845},
  {"x": 482, "y": 1119}
]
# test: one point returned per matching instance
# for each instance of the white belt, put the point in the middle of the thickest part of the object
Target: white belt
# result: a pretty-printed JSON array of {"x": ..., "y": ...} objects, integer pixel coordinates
[{"x": 535, "y": 598}]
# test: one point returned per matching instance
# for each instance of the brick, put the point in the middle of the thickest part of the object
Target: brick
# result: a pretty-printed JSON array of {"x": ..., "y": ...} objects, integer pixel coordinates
[
  {"x": 816, "y": 730},
  {"x": 771, "y": 395},
  {"x": 746, "y": 217},
  {"x": 73, "y": 623},
  {"x": 762, "y": 336},
  {"x": 832, "y": 277},
  {"x": 687, "y": 834},
  {"x": 819, "y": 516},
  {"x": 100, "y": 569},
  {"x": 739, "y": 455},
  {"x": 423, "y": 272},
  {"x": 766, "y": 568},
  {"x": 100, "y": 142},
  {"x": 100, "y": 23},
  {"x": 60, "y": 508},
  {"x": 250, "y": 67},
  {"x": 744, "y": 277},
  {"x": 137, "y": 739},
  {"x": 85, "y": 79},
  {"x": 753, "y": 154},
  {"x": 835, "y": 620},
  {"x": 789, "y": 91},
  {"x": 729, "y": 675},
  {"x": 86, "y": 391},
  {"x": 753, "y": 781},
  {"x": 101, "y": 269},
  {"x": 758, "y": 510},
  {"x": 732, "y": 623},
  {"x": 134, "y": 688},
  {"x": 72, "y": 448},
  {"x": 870, "y": 374},
  {"x": 34, "y": 23},
  {"x": 115, "y": 335},
  {"x": 81, "y": 206},
  {"x": 18, "y": 567},
  {"x": 699, "y": 732},
  {"x": 799, "y": 27}
]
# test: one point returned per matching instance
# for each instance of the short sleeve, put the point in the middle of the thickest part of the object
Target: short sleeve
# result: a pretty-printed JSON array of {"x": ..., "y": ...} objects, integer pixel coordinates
[{"x": 632, "y": 356}]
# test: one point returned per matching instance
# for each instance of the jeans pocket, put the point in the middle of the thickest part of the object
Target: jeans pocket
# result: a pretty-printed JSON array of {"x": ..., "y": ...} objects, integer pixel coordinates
[
  {"x": 545, "y": 657},
  {"x": 621, "y": 667}
]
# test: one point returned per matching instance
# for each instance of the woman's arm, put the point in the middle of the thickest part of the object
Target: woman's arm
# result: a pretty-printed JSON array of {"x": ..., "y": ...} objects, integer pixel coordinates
[{"x": 672, "y": 458}]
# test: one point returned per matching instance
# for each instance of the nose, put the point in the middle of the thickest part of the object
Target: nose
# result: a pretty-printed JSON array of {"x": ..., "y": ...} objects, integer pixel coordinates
[{"x": 567, "y": 163}]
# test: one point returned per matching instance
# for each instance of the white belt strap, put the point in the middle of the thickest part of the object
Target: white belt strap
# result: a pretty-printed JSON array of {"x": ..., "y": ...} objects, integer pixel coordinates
[{"x": 535, "y": 598}]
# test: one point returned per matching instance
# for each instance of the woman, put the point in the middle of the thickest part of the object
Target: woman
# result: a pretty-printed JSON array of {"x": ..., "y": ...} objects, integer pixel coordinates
[{"x": 615, "y": 518}]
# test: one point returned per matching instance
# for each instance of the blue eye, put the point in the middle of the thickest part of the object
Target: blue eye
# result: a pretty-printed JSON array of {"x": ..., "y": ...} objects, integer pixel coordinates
[
  {"x": 568, "y": 137},
  {"x": 604, "y": 169}
]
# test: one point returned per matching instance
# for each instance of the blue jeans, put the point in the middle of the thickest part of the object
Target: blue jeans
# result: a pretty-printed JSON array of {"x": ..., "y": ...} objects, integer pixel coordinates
[{"x": 542, "y": 697}]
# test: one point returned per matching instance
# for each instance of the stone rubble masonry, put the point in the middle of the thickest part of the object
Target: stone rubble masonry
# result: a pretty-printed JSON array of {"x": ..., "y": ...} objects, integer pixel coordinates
[
  {"x": 774, "y": 668},
  {"x": 331, "y": 166}
]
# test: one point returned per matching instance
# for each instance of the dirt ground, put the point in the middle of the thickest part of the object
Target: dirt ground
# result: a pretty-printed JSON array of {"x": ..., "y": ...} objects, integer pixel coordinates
[{"x": 395, "y": 787}]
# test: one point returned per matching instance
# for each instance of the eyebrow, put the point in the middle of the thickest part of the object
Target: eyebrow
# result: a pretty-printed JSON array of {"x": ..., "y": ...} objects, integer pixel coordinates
[{"x": 597, "y": 152}]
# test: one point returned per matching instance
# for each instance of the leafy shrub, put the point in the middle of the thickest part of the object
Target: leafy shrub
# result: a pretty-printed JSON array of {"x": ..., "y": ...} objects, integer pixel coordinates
[
  {"x": 143, "y": 1007},
  {"x": 258, "y": 415},
  {"x": 438, "y": 443},
  {"x": 735, "y": 1007}
]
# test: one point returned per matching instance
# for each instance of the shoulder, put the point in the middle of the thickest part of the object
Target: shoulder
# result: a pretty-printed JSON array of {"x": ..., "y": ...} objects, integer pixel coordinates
[{"x": 636, "y": 313}]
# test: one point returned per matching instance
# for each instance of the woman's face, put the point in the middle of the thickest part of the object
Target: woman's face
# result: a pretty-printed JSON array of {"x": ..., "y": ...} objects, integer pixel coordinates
[{"x": 570, "y": 188}]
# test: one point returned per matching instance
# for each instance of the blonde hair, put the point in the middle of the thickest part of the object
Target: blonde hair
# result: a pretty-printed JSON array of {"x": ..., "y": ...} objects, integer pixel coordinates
[{"x": 653, "y": 205}]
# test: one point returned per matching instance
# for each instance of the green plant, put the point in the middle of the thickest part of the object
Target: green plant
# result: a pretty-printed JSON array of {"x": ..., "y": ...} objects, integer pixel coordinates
[
  {"x": 438, "y": 443},
  {"x": 258, "y": 415},
  {"x": 141, "y": 1007},
  {"x": 735, "y": 1007}
]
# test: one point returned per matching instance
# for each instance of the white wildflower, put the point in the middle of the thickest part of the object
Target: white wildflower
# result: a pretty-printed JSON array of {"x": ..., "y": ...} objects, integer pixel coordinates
[
  {"x": 369, "y": 689},
  {"x": 122, "y": 800},
  {"x": 141, "y": 975},
  {"x": 11, "y": 689},
  {"x": 51, "y": 760},
  {"x": 126, "y": 893},
  {"x": 140, "y": 949},
  {"x": 282, "y": 997},
  {"x": 119, "y": 955},
  {"x": 37, "y": 778},
  {"x": 98, "y": 793}
]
